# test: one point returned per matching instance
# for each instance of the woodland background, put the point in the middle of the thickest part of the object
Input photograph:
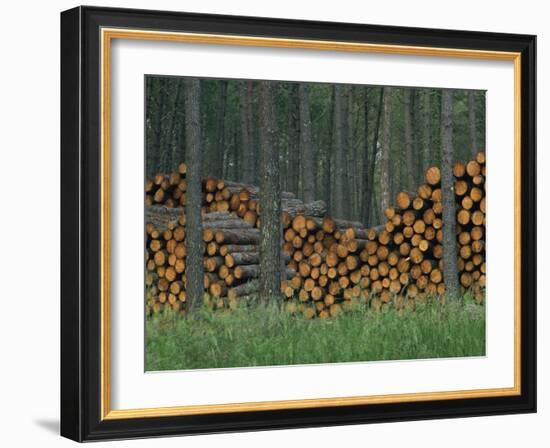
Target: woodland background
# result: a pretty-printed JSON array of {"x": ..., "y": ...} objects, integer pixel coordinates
[{"x": 352, "y": 146}]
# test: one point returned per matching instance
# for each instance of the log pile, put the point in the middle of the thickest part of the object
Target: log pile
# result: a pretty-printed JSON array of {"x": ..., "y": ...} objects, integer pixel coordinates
[
  {"x": 330, "y": 260},
  {"x": 330, "y": 264},
  {"x": 396, "y": 264},
  {"x": 169, "y": 191},
  {"x": 471, "y": 210},
  {"x": 230, "y": 260}
]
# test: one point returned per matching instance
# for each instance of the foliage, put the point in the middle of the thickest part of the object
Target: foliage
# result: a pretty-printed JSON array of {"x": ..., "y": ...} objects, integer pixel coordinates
[
  {"x": 265, "y": 335},
  {"x": 223, "y": 128}
]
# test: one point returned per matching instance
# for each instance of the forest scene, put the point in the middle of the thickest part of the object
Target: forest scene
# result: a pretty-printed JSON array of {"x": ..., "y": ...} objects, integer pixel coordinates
[{"x": 297, "y": 223}]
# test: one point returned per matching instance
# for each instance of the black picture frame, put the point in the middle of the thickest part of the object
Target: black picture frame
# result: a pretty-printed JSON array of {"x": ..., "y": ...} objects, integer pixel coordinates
[{"x": 81, "y": 224}]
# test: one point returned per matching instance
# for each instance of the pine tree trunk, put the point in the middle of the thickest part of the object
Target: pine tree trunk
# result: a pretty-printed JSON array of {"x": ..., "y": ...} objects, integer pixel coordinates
[
  {"x": 247, "y": 158},
  {"x": 252, "y": 132},
  {"x": 270, "y": 198},
  {"x": 367, "y": 219},
  {"x": 417, "y": 144},
  {"x": 339, "y": 158},
  {"x": 346, "y": 137},
  {"x": 409, "y": 143},
  {"x": 149, "y": 126},
  {"x": 294, "y": 140},
  {"x": 194, "y": 261},
  {"x": 450, "y": 269},
  {"x": 308, "y": 157},
  {"x": 180, "y": 131},
  {"x": 171, "y": 135},
  {"x": 160, "y": 95},
  {"x": 385, "y": 185},
  {"x": 427, "y": 134},
  {"x": 365, "y": 192},
  {"x": 220, "y": 129},
  {"x": 472, "y": 119},
  {"x": 327, "y": 152}
]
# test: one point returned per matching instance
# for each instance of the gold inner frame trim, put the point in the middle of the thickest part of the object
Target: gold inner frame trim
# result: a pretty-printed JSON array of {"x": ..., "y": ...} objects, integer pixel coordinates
[{"x": 107, "y": 35}]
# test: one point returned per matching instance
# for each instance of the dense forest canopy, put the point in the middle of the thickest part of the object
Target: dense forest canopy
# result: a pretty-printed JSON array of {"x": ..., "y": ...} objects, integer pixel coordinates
[{"x": 353, "y": 146}]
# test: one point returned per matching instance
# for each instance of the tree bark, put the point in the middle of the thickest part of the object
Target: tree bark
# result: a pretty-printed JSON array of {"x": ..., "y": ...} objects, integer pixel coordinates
[
  {"x": 346, "y": 136},
  {"x": 180, "y": 131},
  {"x": 367, "y": 215},
  {"x": 450, "y": 269},
  {"x": 246, "y": 146},
  {"x": 339, "y": 159},
  {"x": 173, "y": 141},
  {"x": 366, "y": 159},
  {"x": 472, "y": 120},
  {"x": 149, "y": 129},
  {"x": 237, "y": 236},
  {"x": 326, "y": 151},
  {"x": 160, "y": 95},
  {"x": 235, "y": 187},
  {"x": 270, "y": 198},
  {"x": 386, "y": 148},
  {"x": 293, "y": 139},
  {"x": 306, "y": 140},
  {"x": 294, "y": 207},
  {"x": 160, "y": 216},
  {"x": 417, "y": 144},
  {"x": 409, "y": 142},
  {"x": 427, "y": 134},
  {"x": 253, "y": 131},
  {"x": 220, "y": 129},
  {"x": 194, "y": 262}
]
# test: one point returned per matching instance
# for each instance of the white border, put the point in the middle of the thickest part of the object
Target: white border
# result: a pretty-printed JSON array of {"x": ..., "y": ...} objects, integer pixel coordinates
[{"x": 132, "y": 388}]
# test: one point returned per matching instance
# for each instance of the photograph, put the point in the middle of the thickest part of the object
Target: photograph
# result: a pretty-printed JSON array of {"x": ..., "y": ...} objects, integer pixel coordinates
[
  {"x": 275, "y": 222},
  {"x": 291, "y": 223}
]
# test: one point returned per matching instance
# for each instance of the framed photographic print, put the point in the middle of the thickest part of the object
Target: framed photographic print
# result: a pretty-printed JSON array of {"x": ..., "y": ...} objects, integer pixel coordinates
[{"x": 275, "y": 224}]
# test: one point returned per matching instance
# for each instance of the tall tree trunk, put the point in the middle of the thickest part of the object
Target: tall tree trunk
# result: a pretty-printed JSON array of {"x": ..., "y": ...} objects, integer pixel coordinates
[
  {"x": 149, "y": 125},
  {"x": 194, "y": 261},
  {"x": 352, "y": 159},
  {"x": 282, "y": 113},
  {"x": 308, "y": 154},
  {"x": 473, "y": 124},
  {"x": 427, "y": 134},
  {"x": 248, "y": 164},
  {"x": 160, "y": 95},
  {"x": 293, "y": 139},
  {"x": 326, "y": 151},
  {"x": 385, "y": 185},
  {"x": 417, "y": 143},
  {"x": 252, "y": 132},
  {"x": 366, "y": 160},
  {"x": 435, "y": 156},
  {"x": 409, "y": 142},
  {"x": 450, "y": 270},
  {"x": 339, "y": 157},
  {"x": 179, "y": 137},
  {"x": 367, "y": 219},
  {"x": 174, "y": 156},
  {"x": 346, "y": 128},
  {"x": 270, "y": 199},
  {"x": 220, "y": 129},
  {"x": 231, "y": 168}
]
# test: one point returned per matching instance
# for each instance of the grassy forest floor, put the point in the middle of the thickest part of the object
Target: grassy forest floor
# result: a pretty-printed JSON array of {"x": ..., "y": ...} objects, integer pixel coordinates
[{"x": 264, "y": 335}]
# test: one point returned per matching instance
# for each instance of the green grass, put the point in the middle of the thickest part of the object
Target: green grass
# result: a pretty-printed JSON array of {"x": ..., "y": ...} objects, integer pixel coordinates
[{"x": 267, "y": 336}]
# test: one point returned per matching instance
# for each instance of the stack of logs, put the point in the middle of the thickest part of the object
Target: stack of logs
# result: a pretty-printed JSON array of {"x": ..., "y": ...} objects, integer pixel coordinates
[
  {"x": 330, "y": 263},
  {"x": 230, "y": 258},
  {"x": 168, "y": 190},
  {"x": 470, "y": 195},
  {"x": 230, "y": 213}
]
